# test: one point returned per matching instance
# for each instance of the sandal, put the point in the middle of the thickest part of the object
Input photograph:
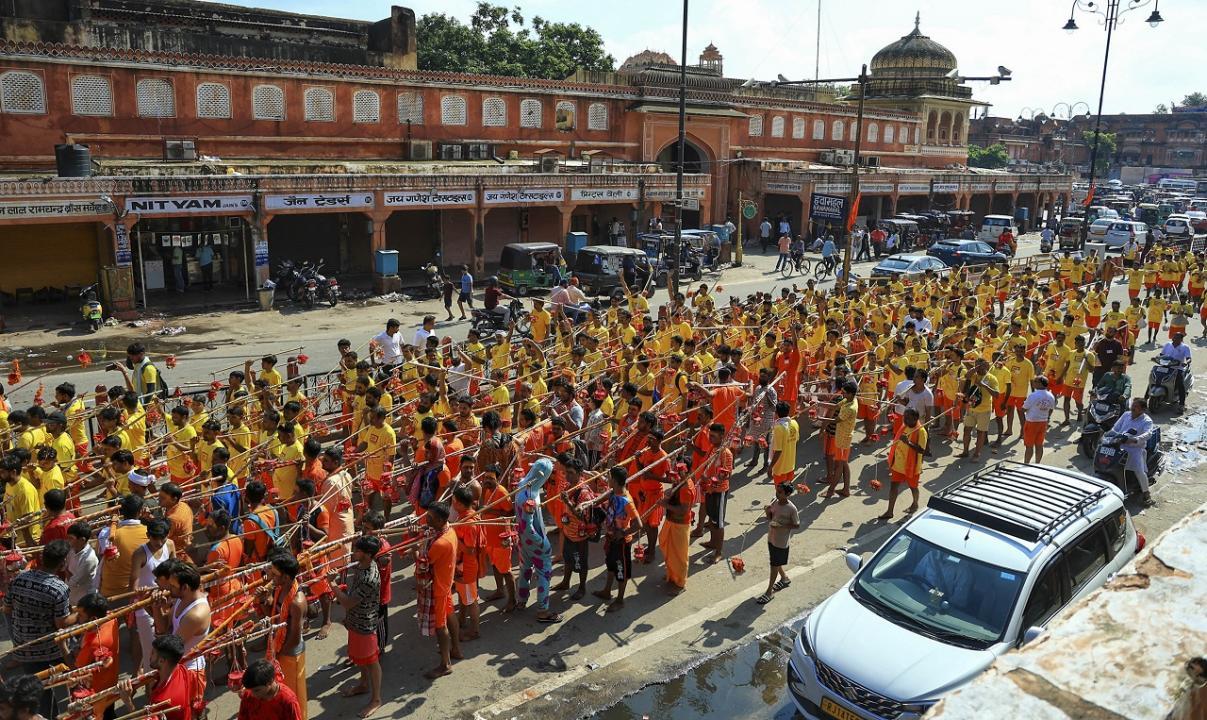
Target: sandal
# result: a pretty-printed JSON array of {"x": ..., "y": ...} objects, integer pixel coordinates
[
  {"x": 763, "y": 599},
  {"x": 549, "y": 619},
  {"x": 780, "y": 585}
]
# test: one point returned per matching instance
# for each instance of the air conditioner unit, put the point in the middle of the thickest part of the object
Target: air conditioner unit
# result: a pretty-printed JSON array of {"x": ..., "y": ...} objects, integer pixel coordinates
[
  {"x": 549, "y": 164},
  {"x": 844, "y": 157},
  {"x": 450, "y": 151},
  {"x": 182, "y": 150},
  {"x": 479, "y": 151},
  {"x": 827, "y": 157},
  {"x": 420, "y": 150},
  {"x": 871, "y": 161}
]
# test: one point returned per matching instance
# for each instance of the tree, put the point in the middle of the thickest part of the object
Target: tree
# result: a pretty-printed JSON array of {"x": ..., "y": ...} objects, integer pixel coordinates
[
  {"x": 1161, "y": 109},
  {"x": 497, "y": 42},
  {"x": 1194, "y": 99},
  {"x": 994, "y": 156},
  {"x": 1106, "y": 150}
]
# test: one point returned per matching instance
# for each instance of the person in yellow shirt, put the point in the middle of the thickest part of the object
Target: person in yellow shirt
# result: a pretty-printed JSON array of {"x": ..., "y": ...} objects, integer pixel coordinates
[
  {"x": 73, "y": 408},
  {"x": 269, "y": 374},
  {"x": 540, "y": 321},
  {"x": 839, "y": 430},
  {"x": 49, "y": 476},
  {"x": 379, "y": 447},
  {"x": 1081, "y": 364},
  {"x": 21, "y": 501},
  {"x": 289, "y": 459},
  {"x": 980, "y": 390},
  {"x": 905, "y": 460},
  {"x": 1154, "y": 310},
  {"x": 672, "y": 385},
  {"x": 1056, "y": 361},
  {"x": 180, "y": 445},
  {"x": 1022, "y": 371},
  {"x": 785, "y": 434},
  {"x": 1135, "y": 281}
]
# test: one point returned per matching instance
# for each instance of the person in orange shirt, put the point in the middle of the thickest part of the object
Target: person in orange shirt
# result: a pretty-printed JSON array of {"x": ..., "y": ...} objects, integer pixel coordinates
[
  {"x": 674, "y": 539},
  {"x": 179, "y": 516},
  {"x": 787, "y": 362},
  {"x": 314, "y": 523},
  {"x": 713, "y": 477},
  {"x": 495, "y": 509},
  {"x": 471, "y": 542},
  {"x": 905, "y": 461},
  {"x": 574, "y": 524},
  {"x": 99, "y": 644},
  {"x": 648, "y": 471},
  {"x": 259, "y": 523},
  {"x": 434, "y": 570}
]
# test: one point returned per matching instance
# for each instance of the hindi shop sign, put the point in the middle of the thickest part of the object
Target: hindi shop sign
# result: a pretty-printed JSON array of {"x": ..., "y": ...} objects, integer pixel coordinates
[
  {"x": 782, "y": 187},
  {"x": 603, "y": 194},
  {"x": 913, "y": 188},
  {"x": 669, "y": 193},
  {"x": 946, "y": 187},
  {"x": 523, "y": 195},
  {"x": 424, "y": 198},
  {"x": 190, "y": 205},
  {"x": 55, "y": 208},
  {"x": 319, "y": 201},
  {"x": 828, "y": 207}
]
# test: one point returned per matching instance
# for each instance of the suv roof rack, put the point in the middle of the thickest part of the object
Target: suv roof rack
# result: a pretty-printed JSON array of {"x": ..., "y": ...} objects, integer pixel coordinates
[{"x": 1029, "y": 502}]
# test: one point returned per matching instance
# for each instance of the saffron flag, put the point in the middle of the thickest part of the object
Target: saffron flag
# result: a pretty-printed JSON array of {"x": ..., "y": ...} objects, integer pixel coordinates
[
  {"x": 854, "y": 213},
  {"x": 1089, "y": 197}
]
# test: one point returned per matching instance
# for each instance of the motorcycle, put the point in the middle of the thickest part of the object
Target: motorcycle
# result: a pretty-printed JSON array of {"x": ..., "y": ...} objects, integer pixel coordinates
[
  {"x": 1162, "y": 381},
  {"x": 487, "y": 322},
  {"x": 433, "y": 284},
  {"x": 289, "y": 278},
  {"x": 91, "y": 309},
  {"x": 1110, "y": 461},
  {"x": 327, "y": 288},
  {"x": 1101, "y": 416}
]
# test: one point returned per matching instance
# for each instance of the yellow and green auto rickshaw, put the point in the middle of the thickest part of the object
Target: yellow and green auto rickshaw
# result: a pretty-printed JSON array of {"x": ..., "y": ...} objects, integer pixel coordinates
[{"x": 524, "y": 267}]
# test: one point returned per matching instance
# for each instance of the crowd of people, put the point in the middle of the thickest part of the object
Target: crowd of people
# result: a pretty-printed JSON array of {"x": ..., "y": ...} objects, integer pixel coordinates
[{"x": 252, "y": 509}]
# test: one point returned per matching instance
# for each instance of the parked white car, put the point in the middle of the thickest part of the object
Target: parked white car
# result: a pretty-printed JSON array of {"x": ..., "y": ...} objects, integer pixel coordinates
[
  {"x": 1178, "y": 225},
  {"x": 1097, "y": 230},
  {"x": 1121, "y": 231},
  {"x": 989, "y": 562},
  {"x": 992, "y": 227}
]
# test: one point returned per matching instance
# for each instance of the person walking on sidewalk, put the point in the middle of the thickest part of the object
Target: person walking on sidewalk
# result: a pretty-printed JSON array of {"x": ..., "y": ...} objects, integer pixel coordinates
[
  {"x": 782, "y": 519},
  {"x": 785, "y": 257},
  {"x": 765, "y": 234},
  {"x": 467, "y": 291}
]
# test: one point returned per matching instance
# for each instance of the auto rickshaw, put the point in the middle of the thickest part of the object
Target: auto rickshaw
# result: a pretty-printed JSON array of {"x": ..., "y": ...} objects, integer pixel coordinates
[{"x": 524, "y": 267}]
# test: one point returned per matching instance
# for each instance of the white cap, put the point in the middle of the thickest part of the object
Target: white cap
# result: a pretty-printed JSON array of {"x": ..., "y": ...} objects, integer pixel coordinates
[{"x": 139, "y": 479}]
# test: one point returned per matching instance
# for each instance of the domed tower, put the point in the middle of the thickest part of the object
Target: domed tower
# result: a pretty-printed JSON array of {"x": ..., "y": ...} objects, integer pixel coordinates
[
  {"x": 918, "y": 75},
  {"x": 711, "y": 59},
  {"x": 646, "y": 59}
]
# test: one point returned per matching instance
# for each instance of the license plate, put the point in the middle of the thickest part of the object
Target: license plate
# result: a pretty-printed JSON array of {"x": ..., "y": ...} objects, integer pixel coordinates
[
  {"x": 1107, "y": 451},
  {"x": 838, "y": 712}
]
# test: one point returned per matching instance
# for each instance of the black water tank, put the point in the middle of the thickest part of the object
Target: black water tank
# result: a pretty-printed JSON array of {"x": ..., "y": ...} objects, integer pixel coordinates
[{"x": 73, "y": 160}]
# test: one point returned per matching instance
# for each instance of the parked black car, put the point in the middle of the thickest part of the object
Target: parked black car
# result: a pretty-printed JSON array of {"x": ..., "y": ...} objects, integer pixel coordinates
[{"x": 966, "y": 252}]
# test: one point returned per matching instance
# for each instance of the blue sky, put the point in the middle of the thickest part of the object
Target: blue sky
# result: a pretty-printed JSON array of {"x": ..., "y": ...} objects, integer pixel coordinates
[{"x": 762, "y": 38}]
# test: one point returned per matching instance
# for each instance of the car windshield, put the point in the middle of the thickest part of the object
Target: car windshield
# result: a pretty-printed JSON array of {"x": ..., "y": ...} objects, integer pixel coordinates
[
  {"x": 929, "y": 589},
  {"x": 895, "y": 264}
]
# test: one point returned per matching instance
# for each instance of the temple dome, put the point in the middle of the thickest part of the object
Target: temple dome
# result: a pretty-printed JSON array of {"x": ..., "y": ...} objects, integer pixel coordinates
[
  {"x": 645, "y": 59},
  {"x": 913, "y": 55}
]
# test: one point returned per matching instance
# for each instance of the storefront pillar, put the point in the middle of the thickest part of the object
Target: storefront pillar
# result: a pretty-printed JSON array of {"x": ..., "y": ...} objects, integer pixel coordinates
[
  {"x": 117, "y": 279},
  {"x": 258, "y": 231},
  {"x": 479, "y": 215}
]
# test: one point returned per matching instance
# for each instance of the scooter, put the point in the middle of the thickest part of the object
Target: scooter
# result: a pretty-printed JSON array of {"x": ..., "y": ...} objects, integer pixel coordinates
[
  {"x": 1162, "y": 381},
  {"x": 487, "y": 322},
  {"x": 433, "y": 283},
  {"x": 1100, "y": 418},
  {"x": 1110, "y": 461},
  {"x": 91, "y": 309}
]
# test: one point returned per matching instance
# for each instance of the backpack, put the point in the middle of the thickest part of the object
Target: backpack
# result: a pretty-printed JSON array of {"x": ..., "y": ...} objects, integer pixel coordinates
[
  {"x": 273, "y": 533},
  {"x": 429, "y": 485}
]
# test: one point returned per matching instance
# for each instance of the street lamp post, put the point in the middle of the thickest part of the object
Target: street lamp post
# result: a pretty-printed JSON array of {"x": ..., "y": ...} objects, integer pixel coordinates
[
  {"x": 1110, "y": 18},
  {"x": 674, "y": 289}
]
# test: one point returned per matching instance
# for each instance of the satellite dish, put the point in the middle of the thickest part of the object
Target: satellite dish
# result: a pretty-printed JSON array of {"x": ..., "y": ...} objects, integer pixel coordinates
[
  {"x": 953, "y": 74},
  {"x": 781, "y": 78},
  {"x": 1003, "y": 71},
  {"x": 750, "y": 83}
]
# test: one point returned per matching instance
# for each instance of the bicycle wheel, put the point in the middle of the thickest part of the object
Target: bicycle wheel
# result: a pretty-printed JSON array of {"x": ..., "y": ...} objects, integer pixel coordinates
[
  {"x": 786, "y": 270},
  {"x": 822, "y": 270}
]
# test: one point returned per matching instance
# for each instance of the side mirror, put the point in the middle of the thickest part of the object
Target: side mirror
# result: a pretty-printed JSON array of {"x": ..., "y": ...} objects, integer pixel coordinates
[
  {"x": 1032, "y": 633},
  {"x": 854, "y": 561}
]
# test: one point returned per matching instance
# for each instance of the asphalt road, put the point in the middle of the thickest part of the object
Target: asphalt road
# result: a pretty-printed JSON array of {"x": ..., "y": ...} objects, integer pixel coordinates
[{"x": 590, "y": 661}]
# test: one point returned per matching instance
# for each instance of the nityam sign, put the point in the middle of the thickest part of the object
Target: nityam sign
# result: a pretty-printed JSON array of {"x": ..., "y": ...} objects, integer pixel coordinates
[
  {"x": 189, "y": 205},
  {"x": 828, "y": 207},
  {"x": 324, "y": 201},
  {"x": 423, "y": 198},
  {"x": 55, "y": 208},
  {"x": 603, "y": 194},
  {"x": 499, "y": 197}
]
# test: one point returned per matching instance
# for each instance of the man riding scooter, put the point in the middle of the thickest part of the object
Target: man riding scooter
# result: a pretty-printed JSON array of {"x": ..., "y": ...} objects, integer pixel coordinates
[
  {"x": 1135, "y": 427},
  {"x": 490, "y": 301},
  {"x": 1178, "y": 352}
]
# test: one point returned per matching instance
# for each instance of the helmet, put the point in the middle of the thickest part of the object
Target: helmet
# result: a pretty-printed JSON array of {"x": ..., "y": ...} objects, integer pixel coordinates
[{"x": 493, "y": 279}]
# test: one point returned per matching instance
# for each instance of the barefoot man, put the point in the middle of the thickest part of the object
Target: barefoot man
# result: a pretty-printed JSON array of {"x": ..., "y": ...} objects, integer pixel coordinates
[{"x": 361, "y": 600}]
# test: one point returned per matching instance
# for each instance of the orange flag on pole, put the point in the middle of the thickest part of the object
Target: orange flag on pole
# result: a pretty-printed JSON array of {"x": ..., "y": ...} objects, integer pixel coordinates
[
  {"x": 854, "y": 213},
  {"x": 1089, "y": 197}
]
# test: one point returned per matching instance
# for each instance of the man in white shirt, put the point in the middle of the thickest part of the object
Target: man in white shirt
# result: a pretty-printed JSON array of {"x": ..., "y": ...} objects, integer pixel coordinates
[
  {"x": 893, "y": 241},
  {"x": 1178, "y": 351},
  {"x": 82, "y": 563},
  {"x": 1037, "y": 408},
  {"x": 424, "y": 332},
  {"x": 1045, "y": 238},
  {"x": 765, "y": 233},
  {"x": 389, "y": 344},
  {"x": 919, "y": 397},
  {"x": 1137, "y": 426}
]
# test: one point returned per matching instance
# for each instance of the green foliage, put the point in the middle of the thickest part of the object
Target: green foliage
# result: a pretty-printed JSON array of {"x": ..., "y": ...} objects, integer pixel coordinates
[
  {"x": 497, "y": 42},
  {"x": 1194, "y": 99},
  {"x": 994, "y": 156},
  {"x": 1161, "y": 109},
  {"x": 1106, "y": 150}
]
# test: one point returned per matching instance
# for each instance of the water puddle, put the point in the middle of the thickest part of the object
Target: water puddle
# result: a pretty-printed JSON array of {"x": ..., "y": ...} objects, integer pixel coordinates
[{"x": 748, "y": 682}]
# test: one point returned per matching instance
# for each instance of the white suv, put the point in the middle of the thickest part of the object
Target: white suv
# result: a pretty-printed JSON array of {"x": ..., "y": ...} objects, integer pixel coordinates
[{"x": 983, "y": 569}]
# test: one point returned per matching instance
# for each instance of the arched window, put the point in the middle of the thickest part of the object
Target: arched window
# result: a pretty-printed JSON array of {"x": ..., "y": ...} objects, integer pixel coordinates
[
  {"x": 756, "y": 126},
  {"x": 777, "y": 126},
  {"x": 319, "y": 104},
  {"x": 22, "y": 92},
  {"x": 798, "y": 128},
  {"x": 494, "y": 112},
  {"x": 91, "y": 95},
  {"x": 873, "y": 133},
  {"x": 836, "y": 130},
  {"x": 888, "y": 134},
  {"x": 854, "y": 130},
  {"x": 366, "y": 107},
  {"x": 917, "y": 135},
  {"x": 904, "y": 134},
  {"x": 213, "y": 101},
  {"x": 155, "y": 98},
  {"x": 819, "y": 129},
  {"x": 564, "y": 116},
  {"x": 268, "y": 102},
  {"x": 530, "y": 113},
  {"x": 597, "y": 116},
  {"x": 410, "y": 107},
  {"x": 956, "y": 130},
  {"x": 452, "y": 110}
]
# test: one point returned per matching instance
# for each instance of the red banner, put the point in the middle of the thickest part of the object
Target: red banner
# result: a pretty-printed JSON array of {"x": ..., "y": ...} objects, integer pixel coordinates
[{"x": 854, "y": 213}]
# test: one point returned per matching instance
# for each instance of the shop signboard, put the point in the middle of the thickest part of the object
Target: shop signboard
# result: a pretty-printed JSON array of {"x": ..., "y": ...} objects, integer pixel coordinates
[
  {"x": 604, "y": 194},
  {"x": 1005, "y": 186},
  {"x": 981, "y": 187},
  {"x": 782, "y": 187},
  {"x": 121, "y": 245},
  {"x": 430, "y": 198},
  {"x": 190, "y": 205},
  {"x": 669, "y": 193},
  {"x": 875, "y": 188},
  {"x": 523, "y": 195},
  {"x": 827, "y": 207},
  {"x": 913, "y": 188},
  {"x": 946, "y": 187},
  {"x": 56, "y": 208},
  {"x": 319, "y": 201},
  {"x": 834, "y": 188},
  {"x": 261, "y": 253}
]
